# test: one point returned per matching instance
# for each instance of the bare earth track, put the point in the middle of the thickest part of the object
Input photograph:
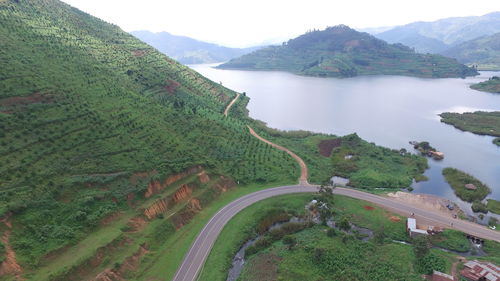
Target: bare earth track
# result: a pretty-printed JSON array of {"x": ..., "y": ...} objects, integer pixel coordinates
[
  {"x": 197, "y": 254},
  {"x": 228, "y": 107}
]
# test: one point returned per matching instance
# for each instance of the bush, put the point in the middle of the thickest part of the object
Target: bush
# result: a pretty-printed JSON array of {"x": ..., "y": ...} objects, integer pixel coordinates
[
  {"x": 331, "y": 232},
  {"x": 344, "y": 224},
  {"x": 478, "y": 207},
  {"x": 429, "y": 263}
]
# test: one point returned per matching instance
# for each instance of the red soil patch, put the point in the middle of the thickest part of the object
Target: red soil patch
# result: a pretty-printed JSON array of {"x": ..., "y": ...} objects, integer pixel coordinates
[
  {"x": 111, "y": 218},
  {"x": 171, "y": 86},
  {"x": 138, "y": 53},
  {"x": 394, "y": 219},
  {"x": 9, "y": 266},
  {"x": 326, "y": 146},
  {"x": 369, "y": 208},
  {"x": 25, "y": 100}
]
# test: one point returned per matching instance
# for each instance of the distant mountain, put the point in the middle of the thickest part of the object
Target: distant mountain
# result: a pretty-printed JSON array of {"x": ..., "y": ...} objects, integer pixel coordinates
[
  {"x": 344, "y": 52},
  {"x": 483, "y": 52},
  {"x": 187, "y": 50},
  {"x": 436, "y": 36}
]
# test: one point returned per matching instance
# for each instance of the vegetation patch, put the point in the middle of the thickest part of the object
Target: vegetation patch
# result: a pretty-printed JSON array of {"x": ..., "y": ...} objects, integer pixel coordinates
[
  {"x": 452, "y": 240},
  {"x": 479, "y": 122},
  {"x": 466, "y": 187},
  {"x": 491, "y": 85},
  {"x": 365, "y": 164},
  {"x": 493, "y": 206}
]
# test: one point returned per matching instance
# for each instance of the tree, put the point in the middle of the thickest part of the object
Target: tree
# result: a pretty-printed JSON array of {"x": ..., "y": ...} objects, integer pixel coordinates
[
  {"x": 421, "y": 246},
  {"x": 379, "y": 235},
  {"x": 344, "y": 224}
]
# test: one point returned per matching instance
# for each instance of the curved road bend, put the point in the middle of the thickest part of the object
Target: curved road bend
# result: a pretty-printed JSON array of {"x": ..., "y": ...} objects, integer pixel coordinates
[
  {"x": 226, "y": 111},
  {"x": 200, "y": 249},
  {"x": 303, "y": 168}
]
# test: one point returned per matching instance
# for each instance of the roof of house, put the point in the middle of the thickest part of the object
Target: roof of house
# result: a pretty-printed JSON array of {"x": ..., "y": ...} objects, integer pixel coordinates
[
  {"x": 474, "y": 270},
  {"x": 439, "y": 276}
]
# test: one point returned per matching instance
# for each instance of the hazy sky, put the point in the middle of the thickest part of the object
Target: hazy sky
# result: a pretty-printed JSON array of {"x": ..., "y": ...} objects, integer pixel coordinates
[{"x": 241, "y": 23}]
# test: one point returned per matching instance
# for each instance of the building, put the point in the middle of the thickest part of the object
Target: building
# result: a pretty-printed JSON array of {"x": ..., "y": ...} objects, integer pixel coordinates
[
  {"x": 411, "y": 227},
  {"x": 439, "y": 276},
  {"x": 479, "y": 271}
]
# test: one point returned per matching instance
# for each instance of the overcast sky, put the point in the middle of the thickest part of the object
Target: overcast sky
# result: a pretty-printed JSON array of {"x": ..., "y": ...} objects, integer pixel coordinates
[{"x": 237, "y": 23}]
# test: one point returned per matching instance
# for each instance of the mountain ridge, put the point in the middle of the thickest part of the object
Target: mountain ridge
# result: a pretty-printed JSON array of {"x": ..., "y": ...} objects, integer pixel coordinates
[
  {"x": 340, "y": 51},
  {"x": 187, "y": 50}
]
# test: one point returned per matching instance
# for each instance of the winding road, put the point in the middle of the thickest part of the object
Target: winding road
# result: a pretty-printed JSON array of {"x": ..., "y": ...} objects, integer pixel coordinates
[
  {"x": 226, "y": 111},
  {"x": 197, "y": 254}
]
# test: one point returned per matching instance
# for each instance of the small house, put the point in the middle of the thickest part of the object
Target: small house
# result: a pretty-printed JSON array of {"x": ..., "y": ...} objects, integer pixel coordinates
[
  {"x": 439, "y": 276},
  {"x": 411, "y": 227},
  {"x": 470, "y": 186},
  {"x": 479, "y": 271}
]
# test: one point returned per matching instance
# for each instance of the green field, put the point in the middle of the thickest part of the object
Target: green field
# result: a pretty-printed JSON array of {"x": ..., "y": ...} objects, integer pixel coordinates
[
  {"x": 491, "y": 85},
  {"x": 315, "y": 254},
  {"x": 365, "y": 164},
  {"x": 340, "y": 51},
  {"x": 458, "y": 179}
]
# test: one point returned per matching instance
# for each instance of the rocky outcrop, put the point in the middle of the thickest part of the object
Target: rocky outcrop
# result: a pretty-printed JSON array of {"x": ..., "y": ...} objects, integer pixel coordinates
[
  {"x": 203, "y": 177},
  {"x": 162, "y": 205},
  {"x": 155, "y": 186},
  {"x": 224, "y": 184},
  {"x": 182, "y": 193},
  {"x": 158, "y": 207},
  {"x": 130, "y": 264}
]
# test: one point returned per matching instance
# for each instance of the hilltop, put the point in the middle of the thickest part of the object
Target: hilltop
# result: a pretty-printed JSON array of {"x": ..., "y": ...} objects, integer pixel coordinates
[
  {"x": 438, "y": 36},
  {"x": 484, "y": 52},
  {"x": 340, "y": 51},
  {"x": 188, "y": 50},
  {"x": 113, "y": 156},
  {"x": 95, "y": 125}
]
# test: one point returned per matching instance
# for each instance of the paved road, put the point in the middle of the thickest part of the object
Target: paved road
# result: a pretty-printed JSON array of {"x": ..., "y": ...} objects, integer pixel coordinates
[{"x": 200, "y": 249}]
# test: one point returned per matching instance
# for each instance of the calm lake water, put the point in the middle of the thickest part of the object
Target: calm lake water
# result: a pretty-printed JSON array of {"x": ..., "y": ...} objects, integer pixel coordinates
[{"x": 387, "y": 110}]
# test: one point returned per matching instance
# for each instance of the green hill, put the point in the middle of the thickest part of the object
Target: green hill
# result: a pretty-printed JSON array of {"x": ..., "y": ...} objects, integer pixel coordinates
[
  {"x": 91, "y": 119},
  {"x": 483, "y": 52},
  {"x": 491, "y": 85},
  {"x": 113, "y": 156},
  {"x": 187, "y": 50},
  {"x": 340, "y": 51}
]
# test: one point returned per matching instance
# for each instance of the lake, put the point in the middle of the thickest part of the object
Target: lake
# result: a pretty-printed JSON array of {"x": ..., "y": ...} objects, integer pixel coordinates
[{"x": 387, "y": 110}]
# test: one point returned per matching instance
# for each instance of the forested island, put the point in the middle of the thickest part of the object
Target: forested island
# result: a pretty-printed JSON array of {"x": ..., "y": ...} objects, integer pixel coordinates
[
  {"x": 340, "y": 51},
  {"x": 479, "y": 122},
  {"x": 491, "y": 85}
]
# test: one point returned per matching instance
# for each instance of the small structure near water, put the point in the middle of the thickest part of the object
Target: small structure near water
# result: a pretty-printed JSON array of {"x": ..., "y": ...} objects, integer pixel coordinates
[
  {"x": 339, "y": 181},
  {"x": 426, "y": 149},
  {"x": 413, "y": 231},
  {"x": 470, "y": 186}
]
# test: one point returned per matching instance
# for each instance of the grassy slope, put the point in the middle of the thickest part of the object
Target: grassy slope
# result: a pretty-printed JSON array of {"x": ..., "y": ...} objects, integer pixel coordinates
[
  {"x": 479, "y": 122},
  {"x": 491, "y": 85},
  {"x": 458, "y": 179},
  {"x": 84, "y": 106},
  {"x": 343, "y": 52},
  {"x": 370, "y": 167},
  {"x": 484, "y": 52}
]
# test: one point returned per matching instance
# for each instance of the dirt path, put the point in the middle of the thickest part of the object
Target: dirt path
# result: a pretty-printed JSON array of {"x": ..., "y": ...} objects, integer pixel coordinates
[
  {"x": 228, "y": 107},
  {"x": 9, "y": 266},
  {"x": 303, "y": 168}
]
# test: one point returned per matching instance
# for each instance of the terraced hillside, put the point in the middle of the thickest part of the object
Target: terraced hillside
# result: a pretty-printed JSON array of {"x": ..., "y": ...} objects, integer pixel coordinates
[
  {"x": 94, "y": 123},
  {"x": 340, "y": 51}
]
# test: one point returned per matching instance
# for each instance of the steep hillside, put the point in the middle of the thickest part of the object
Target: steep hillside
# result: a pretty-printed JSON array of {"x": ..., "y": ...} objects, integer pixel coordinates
[
  {"x": 442, "y": 33},
  {"x": 483, "y": 52},
  {"x": 94, "y": 123},
  {"x": 343, "y": 52},
  {"x": 187, "y": 50}
]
